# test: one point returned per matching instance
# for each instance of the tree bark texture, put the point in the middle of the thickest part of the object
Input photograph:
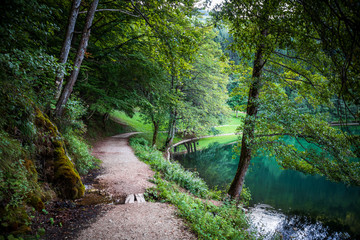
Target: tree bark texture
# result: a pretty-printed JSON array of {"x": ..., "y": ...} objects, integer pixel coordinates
[
  {"x": 67, "y": 44},
  {"x": 171, "y": 134},
  {"x": 156, "y": 131},
  {"x": 78, "y": 60},
  {"x": 249, "y": 125}
]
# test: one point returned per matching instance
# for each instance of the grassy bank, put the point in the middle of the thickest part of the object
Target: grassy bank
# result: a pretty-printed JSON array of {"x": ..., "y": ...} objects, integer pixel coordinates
[{"x": 208, "y": 221}]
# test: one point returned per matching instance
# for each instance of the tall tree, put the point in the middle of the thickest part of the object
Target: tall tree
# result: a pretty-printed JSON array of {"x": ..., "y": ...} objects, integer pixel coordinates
[
  {"x": 67, "y": 44},
  {"x": 60, "y": 105},
  {"x": 171, "y": 23},
  {"x": 284, "y": 57}
]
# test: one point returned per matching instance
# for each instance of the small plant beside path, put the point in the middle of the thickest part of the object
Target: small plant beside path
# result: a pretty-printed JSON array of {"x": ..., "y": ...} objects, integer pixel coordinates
[{"x": 207, "y": 220}]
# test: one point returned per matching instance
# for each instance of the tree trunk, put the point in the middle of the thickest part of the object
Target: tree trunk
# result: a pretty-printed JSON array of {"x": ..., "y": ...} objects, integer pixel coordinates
[
  {"x": 156, "y": 130},
  {"x": 60, "y": 105},
  {"x": 67, "y": 44},
  {"x": 104, "y": 119},
  {"x": 187, "y": 147},
  {"x": 249, "y": 125},
  {"x": 171, "y": 134}
]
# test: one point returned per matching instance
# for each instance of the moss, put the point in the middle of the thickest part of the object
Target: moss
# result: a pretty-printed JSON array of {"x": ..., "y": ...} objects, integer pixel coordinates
[
  {"x": 64, "y": 177},
  {"x": 30, "y": 167},
  {"x": 43, "y": 120},
  {"x": 67, "y": 176},
  {"x": 36, "y": 202}
]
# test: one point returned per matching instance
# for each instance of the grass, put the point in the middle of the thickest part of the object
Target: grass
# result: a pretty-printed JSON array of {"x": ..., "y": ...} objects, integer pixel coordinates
[
  {"x": 97, "y": 129},
  {"x": 205, "y": 219},
  {"x": 171, "y": 171},
  {"x": 233, "y": 120},
  {"x": 227, "y": 129},
  {"x": 135, "y": 122},
  {"x": 205, "y": 142}
]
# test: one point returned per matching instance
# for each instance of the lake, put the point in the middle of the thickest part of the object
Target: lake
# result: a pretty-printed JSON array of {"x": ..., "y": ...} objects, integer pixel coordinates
[{"x": 286, "y": 202}]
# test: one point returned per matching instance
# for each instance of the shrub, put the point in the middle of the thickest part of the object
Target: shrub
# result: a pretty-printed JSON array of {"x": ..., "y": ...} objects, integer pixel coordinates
[
  {"x": 171, "y": 171},
  {"x": 79, "y": 151},
  {"x": 17, "y": 183},
  {"x": 205, "y": 219}
]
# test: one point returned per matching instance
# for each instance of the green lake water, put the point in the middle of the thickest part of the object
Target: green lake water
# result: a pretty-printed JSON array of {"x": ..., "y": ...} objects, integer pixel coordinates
[{"x": 313, "y": 198}]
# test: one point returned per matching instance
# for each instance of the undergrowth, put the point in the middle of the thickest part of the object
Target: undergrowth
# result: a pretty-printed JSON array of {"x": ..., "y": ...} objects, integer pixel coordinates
[
  {"x": 171, "y": 171},
  {"x": 207, "y": 220},
  {"x": 80, "y": 154},
  {"x": 73, "y": 129}
]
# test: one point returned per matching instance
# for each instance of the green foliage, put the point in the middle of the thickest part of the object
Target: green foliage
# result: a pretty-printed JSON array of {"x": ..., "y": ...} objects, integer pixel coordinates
[
  {"x": 135, "y": 122},
  {"x": 80, "y": 153},
  {"x": 73, "y": 129},
  {"x": 72, "y": 118},
  {"x": 207, "y": 220},
  {"x": 17, "y": 183},
  {"x": 288, "y": 89},
  {"x": 14, "y": 184},
  {"x": 171, "y": 171}
]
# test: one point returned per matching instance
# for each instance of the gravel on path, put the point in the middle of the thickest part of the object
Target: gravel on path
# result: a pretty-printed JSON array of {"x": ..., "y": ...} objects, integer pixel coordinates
[{"x": 124, "y": 174}]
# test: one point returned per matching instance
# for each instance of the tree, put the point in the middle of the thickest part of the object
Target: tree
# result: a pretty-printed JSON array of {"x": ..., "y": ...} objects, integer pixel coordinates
[
  {"x": 337, "y": 26},
  {"x": 67, "y": 44},
  {"x": 169, "y": 22},
  {"x": 284, "y": 56},
  {"x": 60, "y": 105},
  {"x": 204, "y": 91}
]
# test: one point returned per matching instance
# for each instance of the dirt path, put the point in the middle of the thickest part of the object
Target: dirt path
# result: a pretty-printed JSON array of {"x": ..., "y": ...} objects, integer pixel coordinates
[{"x": 124, "y": 174}]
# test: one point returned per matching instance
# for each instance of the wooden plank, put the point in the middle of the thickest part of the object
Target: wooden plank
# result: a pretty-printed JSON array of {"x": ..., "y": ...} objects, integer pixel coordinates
[
  {"x": 130, "y": 199},
  {"x": 140, "y": 197}
]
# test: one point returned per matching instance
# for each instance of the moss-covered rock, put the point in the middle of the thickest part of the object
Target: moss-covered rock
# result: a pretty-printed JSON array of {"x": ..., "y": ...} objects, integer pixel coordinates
[{"x": 59, "y": 169}]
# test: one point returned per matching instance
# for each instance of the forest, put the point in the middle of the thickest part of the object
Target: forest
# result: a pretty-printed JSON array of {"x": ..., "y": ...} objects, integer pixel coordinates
[{"x": 72, "y": 71}]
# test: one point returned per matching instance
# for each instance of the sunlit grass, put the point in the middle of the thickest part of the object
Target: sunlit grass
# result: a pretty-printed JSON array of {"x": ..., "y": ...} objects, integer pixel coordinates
[
  {"x": 205, "y": 142},
  {"x": 135, "y": 122},
  {"x": 233, "y": 120},
  {"x": 227, "y": 129}
]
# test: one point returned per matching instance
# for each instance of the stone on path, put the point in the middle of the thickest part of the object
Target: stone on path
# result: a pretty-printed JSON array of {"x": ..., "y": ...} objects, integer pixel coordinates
[
  {"x": 140, "y": 198},
  {"x": 130, "y": 199}
]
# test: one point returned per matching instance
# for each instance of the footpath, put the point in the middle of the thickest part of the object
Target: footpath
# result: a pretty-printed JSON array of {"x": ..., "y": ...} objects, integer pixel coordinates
[{"x": 125, "y": 179}]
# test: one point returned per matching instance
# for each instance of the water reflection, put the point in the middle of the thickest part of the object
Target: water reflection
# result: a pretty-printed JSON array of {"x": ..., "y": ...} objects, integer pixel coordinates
[{"x": 298, "y": 196}]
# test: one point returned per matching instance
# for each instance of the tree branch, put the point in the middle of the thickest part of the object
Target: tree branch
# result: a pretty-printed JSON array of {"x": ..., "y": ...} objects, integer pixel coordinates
[
  {"x": 304, "y": 76},
  {"x": 114, "y": 10}
]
